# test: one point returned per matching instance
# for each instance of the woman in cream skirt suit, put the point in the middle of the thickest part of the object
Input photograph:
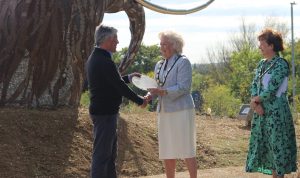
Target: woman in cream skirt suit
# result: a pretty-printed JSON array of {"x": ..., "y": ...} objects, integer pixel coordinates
[{"x": 176, "y": 122}]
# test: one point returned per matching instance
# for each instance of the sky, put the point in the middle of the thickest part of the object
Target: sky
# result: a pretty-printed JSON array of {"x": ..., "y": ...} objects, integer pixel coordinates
[{"x": 210, "y": 27}]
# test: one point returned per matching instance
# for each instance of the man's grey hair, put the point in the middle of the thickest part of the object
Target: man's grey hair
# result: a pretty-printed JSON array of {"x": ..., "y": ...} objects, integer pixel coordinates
[
  {"x": 102, "y": 32},
  {"x": 174, "y": 39}
]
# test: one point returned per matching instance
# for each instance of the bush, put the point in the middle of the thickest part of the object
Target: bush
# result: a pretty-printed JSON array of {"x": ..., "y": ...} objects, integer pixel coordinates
[
  {"x": 85, "y": 99},
  {"x": 221, "y": 101}
]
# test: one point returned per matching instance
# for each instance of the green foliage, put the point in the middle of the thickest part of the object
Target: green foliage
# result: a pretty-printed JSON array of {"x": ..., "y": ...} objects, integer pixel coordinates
[
  {"x": 151, "y": 74},
  {"x": 203, "y": 69},
  {"x": 243, "y": 64},
  {"x": 145, "y": 59},
  {"x": 297, "y": 103},
  {"x": 219, "y": 72},
  {"x": 85, "y": 99},
  {"x": 200, "y": 82},
  {"x": 118, "y": 56},
  {"x": 144, "y": 63},
  {"x": 220, "y": 100},
  {"x": 287, "y": 53},
  {"x": 237, "y": 60}
]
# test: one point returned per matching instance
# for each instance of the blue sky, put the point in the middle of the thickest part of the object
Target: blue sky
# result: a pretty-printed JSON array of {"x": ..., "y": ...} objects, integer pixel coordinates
[{"x": 206, "y": 29}]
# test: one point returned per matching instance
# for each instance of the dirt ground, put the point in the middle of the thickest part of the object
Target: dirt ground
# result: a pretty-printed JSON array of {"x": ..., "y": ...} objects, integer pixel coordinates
[
  {"x": 58, "y": 144},
  {"x": 225, "y": 172}
]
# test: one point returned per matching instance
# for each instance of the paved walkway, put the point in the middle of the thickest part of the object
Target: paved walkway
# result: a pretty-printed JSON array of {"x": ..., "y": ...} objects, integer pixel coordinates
[{"x": 228, "y": 172}]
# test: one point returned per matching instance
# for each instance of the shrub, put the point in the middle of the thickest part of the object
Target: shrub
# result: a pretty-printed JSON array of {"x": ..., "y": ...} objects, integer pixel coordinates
[
  {"x": 85, "y": 99},
  {"x": 221, "y": 101}
]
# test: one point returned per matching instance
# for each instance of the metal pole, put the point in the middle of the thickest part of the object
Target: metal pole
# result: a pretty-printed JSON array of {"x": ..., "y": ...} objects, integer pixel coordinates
[{"x": 293, "y": 57}]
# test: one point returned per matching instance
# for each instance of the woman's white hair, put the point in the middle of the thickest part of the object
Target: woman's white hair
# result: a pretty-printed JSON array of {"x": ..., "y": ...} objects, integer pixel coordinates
[{"x": 174, "y": 39}]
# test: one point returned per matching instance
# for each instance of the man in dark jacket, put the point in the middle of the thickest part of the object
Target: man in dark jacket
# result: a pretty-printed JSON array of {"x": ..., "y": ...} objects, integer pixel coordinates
[{"x": 106, "y": 88}]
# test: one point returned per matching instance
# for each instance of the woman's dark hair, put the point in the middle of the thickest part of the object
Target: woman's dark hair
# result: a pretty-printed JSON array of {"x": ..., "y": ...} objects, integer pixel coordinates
[{"x": 272, "y": 37}]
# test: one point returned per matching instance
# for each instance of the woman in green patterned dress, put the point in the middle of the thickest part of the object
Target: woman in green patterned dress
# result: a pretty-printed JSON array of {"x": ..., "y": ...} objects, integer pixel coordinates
[{"x": 272, "y": 147}]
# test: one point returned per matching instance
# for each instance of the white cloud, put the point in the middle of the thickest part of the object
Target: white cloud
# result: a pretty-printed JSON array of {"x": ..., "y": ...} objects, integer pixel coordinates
[{"x": 208, "y": 27}]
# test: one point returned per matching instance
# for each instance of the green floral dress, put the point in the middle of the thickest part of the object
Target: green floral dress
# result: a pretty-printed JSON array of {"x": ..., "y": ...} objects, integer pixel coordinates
[{"x": 272, "y": 143}]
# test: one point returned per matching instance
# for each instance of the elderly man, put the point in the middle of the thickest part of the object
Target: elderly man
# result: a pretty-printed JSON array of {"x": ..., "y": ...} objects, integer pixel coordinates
[{"x": 106, "y": 88}]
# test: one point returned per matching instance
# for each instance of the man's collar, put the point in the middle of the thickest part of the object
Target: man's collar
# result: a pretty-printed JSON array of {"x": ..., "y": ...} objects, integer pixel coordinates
[{"x": 104, "y": 50}]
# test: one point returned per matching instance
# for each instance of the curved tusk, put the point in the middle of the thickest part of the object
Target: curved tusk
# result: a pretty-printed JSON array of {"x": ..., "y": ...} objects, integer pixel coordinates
[{"x": 164, "y": 10}]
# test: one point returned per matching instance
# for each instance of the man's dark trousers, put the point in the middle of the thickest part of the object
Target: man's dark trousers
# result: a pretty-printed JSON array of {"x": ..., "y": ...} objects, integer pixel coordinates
[{"x": 105, "y": 146}]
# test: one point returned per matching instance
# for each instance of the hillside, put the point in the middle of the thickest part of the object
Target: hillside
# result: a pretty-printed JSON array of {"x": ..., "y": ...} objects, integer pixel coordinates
[{"x": 58, "y": 143}]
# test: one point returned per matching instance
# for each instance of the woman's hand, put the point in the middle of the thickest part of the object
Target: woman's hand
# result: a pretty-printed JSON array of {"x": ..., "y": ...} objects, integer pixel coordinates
[
  {"x": 259, "y": 110},
  {"x": 255, "y": 101},
  {"x": 145, "y": 102},
  {"x": 158, "y": 91},
  {"x": 256, "y": 105}
]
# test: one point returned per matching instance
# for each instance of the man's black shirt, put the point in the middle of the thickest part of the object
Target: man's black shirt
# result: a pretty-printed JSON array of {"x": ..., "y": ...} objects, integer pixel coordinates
[{"x": 106, "y": 86}]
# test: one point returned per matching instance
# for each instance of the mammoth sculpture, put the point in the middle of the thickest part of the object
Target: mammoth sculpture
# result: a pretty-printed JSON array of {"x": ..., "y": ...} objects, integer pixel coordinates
[{"x": 45, "y": 43}]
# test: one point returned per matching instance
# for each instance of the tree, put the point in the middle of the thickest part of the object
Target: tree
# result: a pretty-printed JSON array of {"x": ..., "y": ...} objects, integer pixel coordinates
[
  {"x": 243, "y": 64},
  {"x": 221, "y": 56},
  {"x": 245, "y": 38},
  {"x": 221, "y": 101},
  {"x": 288, "y": 56},
  {"x": 219, "y": 63},
  {"x": 240, "y": 57},
  {"x": 145, "y": 61},
  {"x": 281, "y": 26},
  {"x": 200, "y": 82},
  {"x": 245, "y": 56}
]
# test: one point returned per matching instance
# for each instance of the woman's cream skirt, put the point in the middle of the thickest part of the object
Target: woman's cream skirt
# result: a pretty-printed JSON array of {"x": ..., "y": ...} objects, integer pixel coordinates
[{"x": 177, "y": 134}]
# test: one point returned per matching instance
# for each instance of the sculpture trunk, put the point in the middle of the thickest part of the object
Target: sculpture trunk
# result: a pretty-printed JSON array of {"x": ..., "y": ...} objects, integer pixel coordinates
[{"x": 43, "y": 45}]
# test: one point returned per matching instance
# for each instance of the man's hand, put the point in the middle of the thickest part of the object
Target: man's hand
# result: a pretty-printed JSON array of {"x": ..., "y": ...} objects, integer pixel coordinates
[
  {"x": 148, "y": 97},
  {"x": 135, "y": 74}
]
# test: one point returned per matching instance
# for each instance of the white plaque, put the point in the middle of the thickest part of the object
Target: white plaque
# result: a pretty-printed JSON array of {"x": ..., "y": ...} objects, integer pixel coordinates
[{"x": 144, "y": 82}]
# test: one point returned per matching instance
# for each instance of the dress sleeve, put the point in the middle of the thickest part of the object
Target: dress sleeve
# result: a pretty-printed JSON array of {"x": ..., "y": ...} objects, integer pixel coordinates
[{"x": 278, "y": 74}]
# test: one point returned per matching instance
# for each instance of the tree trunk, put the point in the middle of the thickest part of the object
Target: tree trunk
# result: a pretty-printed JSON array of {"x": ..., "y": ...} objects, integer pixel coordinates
[{"x": 43, "y": 47}]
